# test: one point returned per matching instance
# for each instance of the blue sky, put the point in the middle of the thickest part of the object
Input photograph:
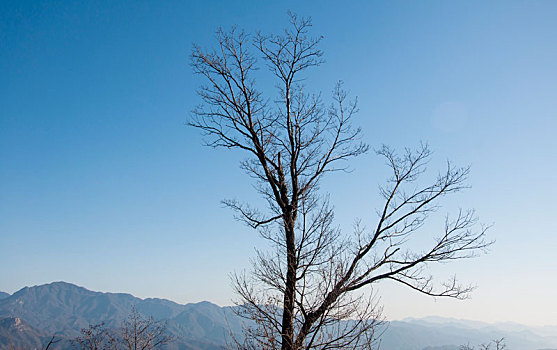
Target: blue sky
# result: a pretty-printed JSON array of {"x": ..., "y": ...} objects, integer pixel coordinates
[{"x": 103, "y": 185}]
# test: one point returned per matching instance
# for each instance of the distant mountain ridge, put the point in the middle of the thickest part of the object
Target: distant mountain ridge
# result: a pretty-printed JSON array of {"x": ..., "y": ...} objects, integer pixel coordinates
[
  {"x": 64, "y": 309},
  {"x": 32, "y": 314}
]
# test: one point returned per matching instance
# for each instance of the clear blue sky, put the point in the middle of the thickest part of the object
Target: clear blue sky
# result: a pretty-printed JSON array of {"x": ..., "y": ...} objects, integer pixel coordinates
[{"x": 103, "y": 185}]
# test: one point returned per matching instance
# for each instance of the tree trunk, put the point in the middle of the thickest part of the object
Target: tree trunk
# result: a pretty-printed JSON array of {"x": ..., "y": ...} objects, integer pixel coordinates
[{"x": 288, "y": 304}]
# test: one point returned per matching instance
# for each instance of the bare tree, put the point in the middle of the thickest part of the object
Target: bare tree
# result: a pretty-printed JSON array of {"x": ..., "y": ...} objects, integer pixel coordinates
[
  {"x": 137, "y": 332},
  {"x": 141, "y": 333},
  {"x": 499, "y": 344},
  {"x": 95, "y": 337},
  {"x": 51, "y": 342},
  {"x": 310, "y": 290}
]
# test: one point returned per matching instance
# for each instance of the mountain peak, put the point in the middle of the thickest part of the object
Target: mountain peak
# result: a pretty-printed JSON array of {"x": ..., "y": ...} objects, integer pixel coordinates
[
  {"x": 49, "y": 288},
  {"x": 60, "y": 285}
]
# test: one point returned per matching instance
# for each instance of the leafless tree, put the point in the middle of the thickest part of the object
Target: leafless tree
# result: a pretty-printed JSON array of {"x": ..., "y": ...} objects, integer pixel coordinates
[
  {"x": 499, "y": 344},
  {"x": 51, "y": 342},
  {"x": 137, "y": 332},
  {"x": 311, "y": 290},
  {"x": 95, "y": 337},
  {"x": 141, "y": 333}
]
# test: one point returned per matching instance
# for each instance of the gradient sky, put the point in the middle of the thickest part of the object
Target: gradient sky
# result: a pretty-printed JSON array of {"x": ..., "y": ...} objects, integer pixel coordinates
[{"x": 103, "y": 185}]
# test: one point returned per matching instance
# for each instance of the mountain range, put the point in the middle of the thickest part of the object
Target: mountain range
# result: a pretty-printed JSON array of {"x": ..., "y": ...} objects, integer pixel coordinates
[{"x": 32, "y": 315}]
